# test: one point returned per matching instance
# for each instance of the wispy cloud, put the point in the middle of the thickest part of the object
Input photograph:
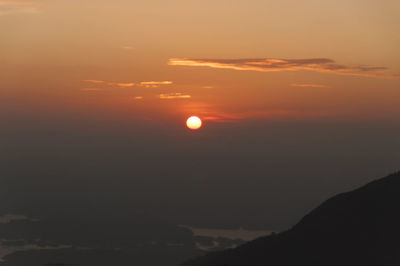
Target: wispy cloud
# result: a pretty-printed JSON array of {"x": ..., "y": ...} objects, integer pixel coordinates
[
  {"x": 103, "y": 85},
  {"x": 232, "y": 117},
  {"x": 154, "y": 84},
  {"x": 309, "y": 85},
  {"x": 7, "y": 250},
  {"x": 325, "y": 65},
  {"x": 139, "y": 98},
  {"x": 8, "y": 218},
  {"x": 19, "y": 6},
  {"x": 147, "y": 84},
  {"x": 94, "y": 81},
  {"x": 175, "y": 95},
  {"x": 124, "y": 85}
]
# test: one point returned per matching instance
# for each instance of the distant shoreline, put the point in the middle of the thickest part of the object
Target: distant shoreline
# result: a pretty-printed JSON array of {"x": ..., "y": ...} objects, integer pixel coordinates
[{"x": 242, "y": 234}]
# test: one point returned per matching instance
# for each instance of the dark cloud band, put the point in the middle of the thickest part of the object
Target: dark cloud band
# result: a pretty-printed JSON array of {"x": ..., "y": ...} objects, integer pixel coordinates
[{"x": 276, "y": 65}]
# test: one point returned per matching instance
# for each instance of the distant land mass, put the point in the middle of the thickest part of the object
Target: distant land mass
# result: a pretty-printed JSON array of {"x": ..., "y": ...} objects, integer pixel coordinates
[{"x": 357, "y": 228}]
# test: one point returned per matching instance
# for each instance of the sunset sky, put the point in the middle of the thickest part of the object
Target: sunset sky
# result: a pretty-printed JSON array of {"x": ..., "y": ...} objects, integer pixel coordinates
[{"x": 299, "y": 100}]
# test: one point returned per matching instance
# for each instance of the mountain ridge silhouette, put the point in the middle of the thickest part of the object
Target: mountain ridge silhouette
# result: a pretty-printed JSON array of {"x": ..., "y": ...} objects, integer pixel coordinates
[{"x": 356, "y": 228}]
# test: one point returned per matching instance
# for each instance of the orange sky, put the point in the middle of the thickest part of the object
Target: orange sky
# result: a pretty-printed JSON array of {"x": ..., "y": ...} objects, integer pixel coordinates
[
  {"x": 225, "y": 61},
  {"x": 299, "y": 100}
]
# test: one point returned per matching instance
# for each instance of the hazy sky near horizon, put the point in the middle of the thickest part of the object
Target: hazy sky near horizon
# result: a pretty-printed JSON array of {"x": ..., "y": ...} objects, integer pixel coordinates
[{"x": 299, "y": 99}]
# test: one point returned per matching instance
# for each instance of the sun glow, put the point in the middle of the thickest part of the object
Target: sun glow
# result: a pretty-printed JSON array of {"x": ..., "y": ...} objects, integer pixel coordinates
[{"x": 193, "y": 123}]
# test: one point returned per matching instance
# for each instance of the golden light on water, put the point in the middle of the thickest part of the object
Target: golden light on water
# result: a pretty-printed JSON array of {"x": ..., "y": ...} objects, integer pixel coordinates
[{"x": 193, "y": 123}]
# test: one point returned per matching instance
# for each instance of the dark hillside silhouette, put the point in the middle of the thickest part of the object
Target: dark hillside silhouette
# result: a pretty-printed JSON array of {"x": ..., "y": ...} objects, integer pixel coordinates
[{"x": 357, "y": 228}]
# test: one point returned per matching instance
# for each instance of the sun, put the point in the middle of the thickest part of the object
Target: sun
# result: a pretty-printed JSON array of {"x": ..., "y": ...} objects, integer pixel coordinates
[{"x": 193, "y": 123}]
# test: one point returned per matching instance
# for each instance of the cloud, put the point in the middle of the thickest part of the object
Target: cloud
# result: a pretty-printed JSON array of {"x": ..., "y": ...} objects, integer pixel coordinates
[
  {"x": 139, "y": 98},
  {"x": 309, "y": 85},
  {"x": 102, "y": 85},
  {"x": 124, "y": 85},
  {"x": 8, "y": 218},
  {"x": 147, "y": 84},
  {"x": 99, "y": 84},
  {"x": 325, "y": 65},
  {"x": 4, "y": 251},
  {"x": 19, "y": 6},
  {"x": 154, "y": 84},
  {"x": 232, "y": 117},
  {"x": 94, "y": 81},
  {"x": 175, "y": 95}
]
